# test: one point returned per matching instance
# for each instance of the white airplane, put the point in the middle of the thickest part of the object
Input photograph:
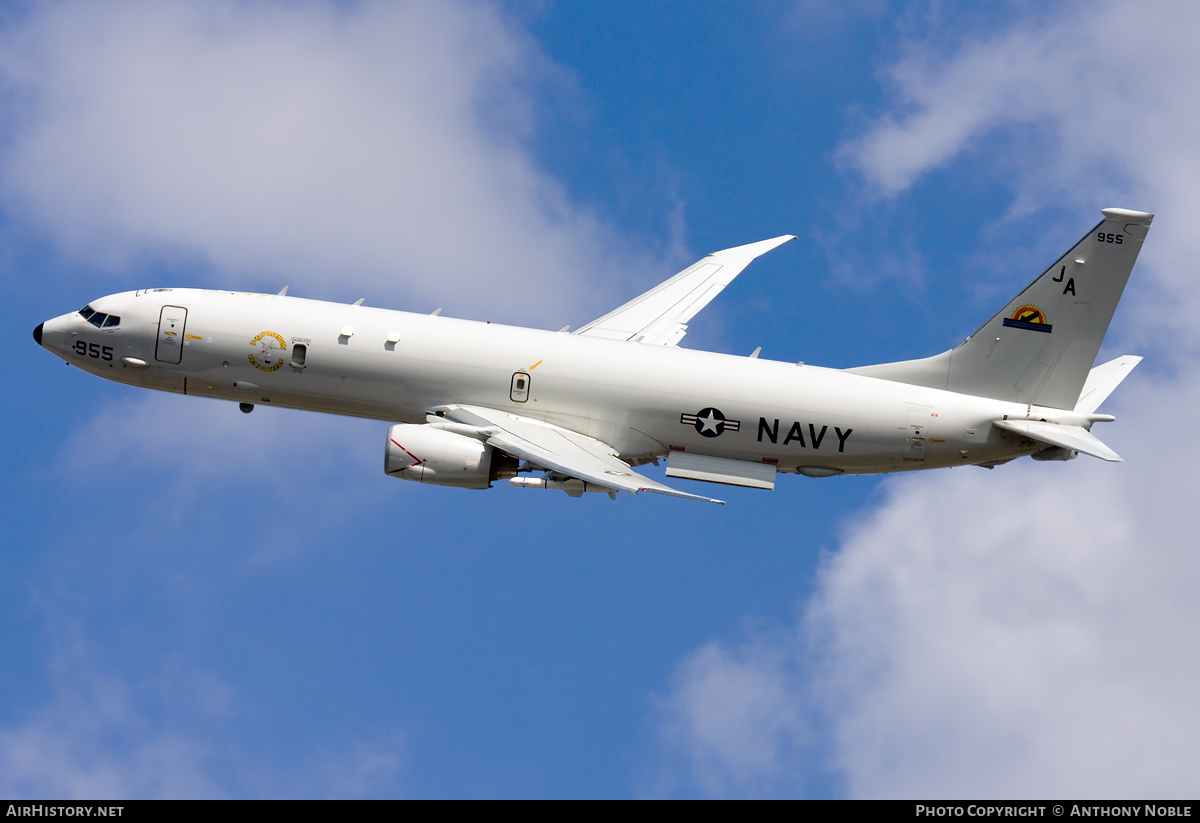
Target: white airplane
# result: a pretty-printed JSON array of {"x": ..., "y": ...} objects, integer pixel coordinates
[{"x": 480, "y": 402}]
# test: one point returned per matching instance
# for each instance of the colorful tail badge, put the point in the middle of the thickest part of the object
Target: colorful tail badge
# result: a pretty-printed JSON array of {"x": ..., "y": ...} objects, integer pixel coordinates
[{"x": 1028, "y": 317}]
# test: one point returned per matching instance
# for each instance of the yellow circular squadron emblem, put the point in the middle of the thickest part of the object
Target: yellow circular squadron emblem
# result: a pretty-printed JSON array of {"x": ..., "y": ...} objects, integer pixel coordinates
[
  {"x": 268, "y": 351},
  {"x": 1030, "y": 314},
  {"x": 1029, "y": 318}
]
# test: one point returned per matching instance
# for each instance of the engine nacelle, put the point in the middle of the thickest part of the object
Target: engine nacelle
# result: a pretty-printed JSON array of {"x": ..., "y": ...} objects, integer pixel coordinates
[{"x": 423, "y": 454}]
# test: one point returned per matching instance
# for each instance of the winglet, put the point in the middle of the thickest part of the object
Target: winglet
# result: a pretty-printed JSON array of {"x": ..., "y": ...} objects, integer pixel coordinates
[{"x": 660, "y": 315}]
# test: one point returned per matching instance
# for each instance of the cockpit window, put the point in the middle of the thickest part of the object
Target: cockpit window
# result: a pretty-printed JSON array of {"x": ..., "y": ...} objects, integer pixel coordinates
[{"x": 99, "y": 319}]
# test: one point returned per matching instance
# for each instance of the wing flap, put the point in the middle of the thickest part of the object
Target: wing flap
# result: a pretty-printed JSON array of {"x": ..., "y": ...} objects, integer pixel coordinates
[
  {"x": 660, "y": 316},
  {"x": 1067, "y": 437},
  {"x": 560, "y": 450}
]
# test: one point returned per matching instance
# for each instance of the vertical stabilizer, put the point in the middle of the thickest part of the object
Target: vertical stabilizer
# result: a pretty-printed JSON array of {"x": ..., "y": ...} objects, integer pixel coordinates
[{"x": 1040, "y": 347}]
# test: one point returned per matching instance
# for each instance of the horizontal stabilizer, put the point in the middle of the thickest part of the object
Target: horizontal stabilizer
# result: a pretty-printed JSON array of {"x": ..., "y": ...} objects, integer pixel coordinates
[
  {"x": 560, "y": 450},
  {"x": 1068, "y": 437},
  {"x": 660, "y": 315},
  {"x": 1102, "y": 380}
]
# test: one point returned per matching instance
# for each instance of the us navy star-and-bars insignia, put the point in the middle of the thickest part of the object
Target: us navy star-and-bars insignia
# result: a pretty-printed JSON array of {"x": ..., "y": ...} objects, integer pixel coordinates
[{"x": 709, "y": 422}]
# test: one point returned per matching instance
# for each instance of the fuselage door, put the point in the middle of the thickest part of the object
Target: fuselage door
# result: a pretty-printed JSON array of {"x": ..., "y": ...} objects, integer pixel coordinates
[{"x": 169, "y": 348}]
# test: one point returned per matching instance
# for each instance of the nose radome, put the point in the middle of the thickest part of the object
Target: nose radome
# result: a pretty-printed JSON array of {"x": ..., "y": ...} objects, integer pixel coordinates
[{"x": 37, "y": 334}]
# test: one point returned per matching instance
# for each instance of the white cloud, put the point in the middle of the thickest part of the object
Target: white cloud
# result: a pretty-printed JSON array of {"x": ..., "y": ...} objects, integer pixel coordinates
[
  {"x": 375, "y": 144},
  {"x": 1025, "y": 632},
  {"x": 1028, "y": 631},
  {"x": 362, "y": 769},
  {"x": 212, "y": 439},
  {"x": 1090, "y": 109},
  {"x": 1101, "y": 82},
  {"x": 96, "y": 741},
  {"x": 1093, "y": 109},
  {"x": 49, "y": 757},
  {"x": 733, "y": 717},
  {"x": 91, "y": 740},
  {"x": 171, "y": 730},
  {"x": 170, "y": 453}
]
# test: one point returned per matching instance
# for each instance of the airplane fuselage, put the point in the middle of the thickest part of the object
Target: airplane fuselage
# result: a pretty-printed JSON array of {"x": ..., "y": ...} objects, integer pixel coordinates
[{"x": 643, "y": 400}]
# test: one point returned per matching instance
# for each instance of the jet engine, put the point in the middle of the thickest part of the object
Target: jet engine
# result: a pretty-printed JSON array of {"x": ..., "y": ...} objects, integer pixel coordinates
[{"x": 425, "y": 454}]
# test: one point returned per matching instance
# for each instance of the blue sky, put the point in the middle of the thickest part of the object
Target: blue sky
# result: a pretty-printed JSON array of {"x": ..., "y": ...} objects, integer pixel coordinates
[{"x": 201, "y": 603}]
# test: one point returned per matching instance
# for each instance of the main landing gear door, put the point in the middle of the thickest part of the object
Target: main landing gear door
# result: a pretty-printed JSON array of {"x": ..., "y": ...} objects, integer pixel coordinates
[{"x": 171, "y": 321}]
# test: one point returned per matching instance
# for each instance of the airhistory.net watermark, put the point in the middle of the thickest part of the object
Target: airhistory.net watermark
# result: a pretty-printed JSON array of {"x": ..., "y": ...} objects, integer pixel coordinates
[{"x": 49, "y": 810}]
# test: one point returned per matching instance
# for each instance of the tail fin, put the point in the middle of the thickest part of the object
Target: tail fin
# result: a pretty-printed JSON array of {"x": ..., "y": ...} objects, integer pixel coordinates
[{"x": 1040, "y": 347}]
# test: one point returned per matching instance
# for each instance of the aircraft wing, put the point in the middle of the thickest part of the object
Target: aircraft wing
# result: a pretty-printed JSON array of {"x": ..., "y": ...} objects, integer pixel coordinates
[
  {"x": 558, "y": 450},
  {"x": 660, "y": 315}
]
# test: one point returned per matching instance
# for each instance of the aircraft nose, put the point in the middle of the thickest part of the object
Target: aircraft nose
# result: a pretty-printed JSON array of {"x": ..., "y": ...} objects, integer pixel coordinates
[{"x": 37, "y": 334}]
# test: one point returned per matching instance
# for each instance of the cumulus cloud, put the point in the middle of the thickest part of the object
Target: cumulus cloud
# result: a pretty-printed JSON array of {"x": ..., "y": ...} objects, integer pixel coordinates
[
  {"x": 1027, "y": 631},
  {"x": 1023, "y": 632},
  {"x": 374, "y": 146},
  {"x": 1016, "y": 633}
]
